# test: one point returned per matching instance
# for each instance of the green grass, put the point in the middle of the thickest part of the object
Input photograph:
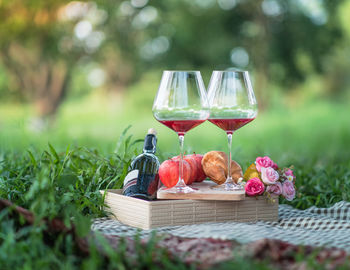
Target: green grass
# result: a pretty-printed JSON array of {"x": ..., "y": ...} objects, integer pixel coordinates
[
  {"x": 317, "y": 130},
  {"x": 85, "y": 154},
  {"x": 65, "y": 185}
]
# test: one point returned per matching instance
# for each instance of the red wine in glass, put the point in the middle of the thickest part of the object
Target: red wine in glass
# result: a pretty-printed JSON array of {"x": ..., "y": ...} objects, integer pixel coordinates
[
  {"x": 232, "y": 105},
  {"x": 181, "y": 126},
  {"x": 181, "y": 104},
  {"x": 231, "y": 125}
]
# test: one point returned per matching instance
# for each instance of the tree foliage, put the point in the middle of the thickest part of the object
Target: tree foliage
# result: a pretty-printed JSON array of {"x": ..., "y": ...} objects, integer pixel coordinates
[{"x": 282, "y": 42}]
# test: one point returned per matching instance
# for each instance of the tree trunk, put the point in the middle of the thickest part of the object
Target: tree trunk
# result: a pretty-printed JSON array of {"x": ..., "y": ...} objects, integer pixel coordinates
[
  {"x": 39, "y": 80},
  {"x": 260, "y": 53},
  {"x": 53, "y": 88}
]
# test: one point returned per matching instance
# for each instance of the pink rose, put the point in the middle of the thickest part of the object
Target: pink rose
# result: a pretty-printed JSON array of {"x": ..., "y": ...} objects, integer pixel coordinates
[
  {"x": 275, "y": 189},
  {"x": 264, "y": 162},
  {"x": 269, "y": 176},
  {"x": 288, "y": 190},
  {"x": 274, "y": 166},
  {"x": 254, "y": 187}
]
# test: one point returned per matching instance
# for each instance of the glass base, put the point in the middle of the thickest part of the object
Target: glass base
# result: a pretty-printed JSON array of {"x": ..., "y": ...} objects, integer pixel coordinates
[
  {"x": 228, "y": 187},
  {"x": 180, "y": 189}
]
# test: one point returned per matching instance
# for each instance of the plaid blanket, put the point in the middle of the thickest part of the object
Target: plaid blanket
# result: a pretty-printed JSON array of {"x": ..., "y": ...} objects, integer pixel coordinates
[{"x": 323, "y": 227}]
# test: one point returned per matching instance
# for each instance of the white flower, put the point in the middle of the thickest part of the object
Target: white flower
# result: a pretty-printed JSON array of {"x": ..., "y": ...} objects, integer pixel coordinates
[{"x": 290, "y": 178}]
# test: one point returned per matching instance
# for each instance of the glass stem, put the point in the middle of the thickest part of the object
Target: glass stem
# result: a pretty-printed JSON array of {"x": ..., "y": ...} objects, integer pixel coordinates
[
  {"x": 229, "y": 177},
  {"x": 181, "y": 182}
]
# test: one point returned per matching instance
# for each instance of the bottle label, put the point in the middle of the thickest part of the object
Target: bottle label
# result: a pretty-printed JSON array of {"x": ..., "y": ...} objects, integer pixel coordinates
[
  {"x": 131, "y": 179},
  {"x": 142, "y": 186}
]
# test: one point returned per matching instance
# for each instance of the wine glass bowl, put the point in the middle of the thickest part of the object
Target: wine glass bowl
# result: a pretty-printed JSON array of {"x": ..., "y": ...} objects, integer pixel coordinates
[
  {"x": 232, "y": 105},
  {"x": 181, "y": 104}
]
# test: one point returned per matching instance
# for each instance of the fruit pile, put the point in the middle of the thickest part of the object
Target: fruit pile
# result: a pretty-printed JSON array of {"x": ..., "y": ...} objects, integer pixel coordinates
[
  {"x": 197, "y": 168},
  {"x": 192, "y": 170}
]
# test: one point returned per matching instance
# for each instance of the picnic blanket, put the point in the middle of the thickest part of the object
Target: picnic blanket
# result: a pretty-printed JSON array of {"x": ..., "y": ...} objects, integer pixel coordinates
[{"x": 321, "y": 227}]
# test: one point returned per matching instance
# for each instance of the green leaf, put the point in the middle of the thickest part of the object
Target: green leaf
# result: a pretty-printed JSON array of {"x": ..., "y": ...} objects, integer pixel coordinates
[
  {"x": 32, "y": 158},
  {"x": 121, "y": 139},
  {"x": 54, "y": 153}
]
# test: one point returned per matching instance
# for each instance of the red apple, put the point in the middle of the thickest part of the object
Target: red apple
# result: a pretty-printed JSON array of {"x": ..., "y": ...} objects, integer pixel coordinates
[
  {"x": 193, "y": 167},
  {"x": 200, "y": 173},
  {"x": 169, "y": 172}
]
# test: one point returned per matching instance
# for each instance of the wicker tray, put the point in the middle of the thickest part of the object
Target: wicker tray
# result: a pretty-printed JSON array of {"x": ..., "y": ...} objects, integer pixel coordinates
[{"x": 152, "y": 214}]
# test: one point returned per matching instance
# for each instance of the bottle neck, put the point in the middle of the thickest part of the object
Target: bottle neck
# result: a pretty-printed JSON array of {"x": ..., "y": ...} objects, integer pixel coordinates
[{"x": 150, "y": 144}]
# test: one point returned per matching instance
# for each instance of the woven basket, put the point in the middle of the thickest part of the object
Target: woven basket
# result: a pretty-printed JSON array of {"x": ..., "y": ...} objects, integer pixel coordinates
[{"x": 152, "y": 214}]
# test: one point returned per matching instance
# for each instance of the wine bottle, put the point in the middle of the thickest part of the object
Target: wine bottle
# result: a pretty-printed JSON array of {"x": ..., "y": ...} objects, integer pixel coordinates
[{"x": 142, "y": 179}]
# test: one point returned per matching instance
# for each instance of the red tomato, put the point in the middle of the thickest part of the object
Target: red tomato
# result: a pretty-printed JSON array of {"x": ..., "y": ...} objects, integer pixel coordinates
[{"x": 169, "y": 172}]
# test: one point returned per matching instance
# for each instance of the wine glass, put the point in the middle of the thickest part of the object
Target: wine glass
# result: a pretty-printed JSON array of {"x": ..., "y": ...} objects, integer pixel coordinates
[
  {"x": 181, "y": 104},
  {"x": 232, "y": 105}
]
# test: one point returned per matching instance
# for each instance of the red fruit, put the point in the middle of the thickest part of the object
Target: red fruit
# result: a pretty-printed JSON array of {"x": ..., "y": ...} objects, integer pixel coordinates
[
  {"x": 193, "y": 167},
  {"x": 169, "y": 172},
  {"x": 200, "y": 173}
]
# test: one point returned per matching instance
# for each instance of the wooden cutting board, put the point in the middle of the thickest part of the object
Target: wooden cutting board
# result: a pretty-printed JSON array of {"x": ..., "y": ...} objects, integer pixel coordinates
[{"x": 204, "y": 192}]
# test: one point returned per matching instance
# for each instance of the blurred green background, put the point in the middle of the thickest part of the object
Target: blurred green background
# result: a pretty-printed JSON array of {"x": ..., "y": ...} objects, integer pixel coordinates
[{"x": 78, "y": 73}]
